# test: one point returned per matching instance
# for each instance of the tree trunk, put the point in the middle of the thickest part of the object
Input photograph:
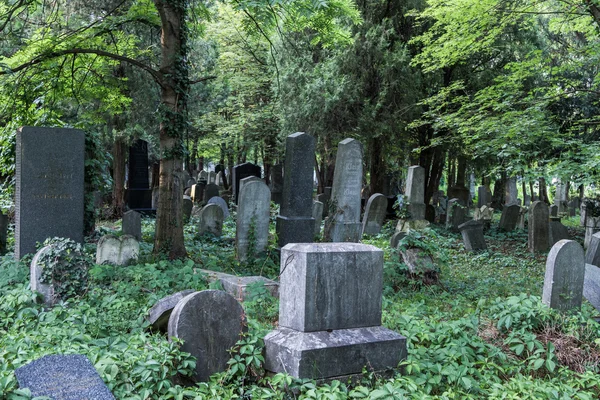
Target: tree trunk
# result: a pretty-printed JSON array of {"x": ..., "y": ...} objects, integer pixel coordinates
[
  {"x": 543, "y": 191},
  {"x": 461, "y": 172},
  {"x": 378, "y": 169},
  {"x": 174, "y": 92}
]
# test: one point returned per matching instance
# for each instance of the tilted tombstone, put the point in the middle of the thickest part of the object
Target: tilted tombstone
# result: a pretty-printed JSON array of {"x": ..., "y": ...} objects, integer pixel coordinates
[
  {"x": 63, "y": 377},
  {"x": 3, "y": 232},
  {"x": 253, "y": 220},
  {"x": 132, "y": 224},
  {"x": 591, "y": 285},
  {"x": 343, "y": 223},
  {"x": 211, "y": 220},
  {"x": 592, "y": 254},
  {"x": 472, "y": 234},
  {"x": 240, "y": 172},
  {"x": 509, "y": 217},
  {"x": 330, "y": 313},
  {"x": 563, "y": 281},
  {"x": 557, "y": 231},
  {"x": 211, "y": 190},
  {"x": 159, "y": 314},
  {"x": 248, "y": 179},
  {"x": 374, "y": 214},
  {"x": 415, "y": 192},
  {"x": 538, "y": 229},
  {"x": 221, "y": 203},
  {"x": 511, "y": 193},
  {"x": 49, "y": 186},
  {"x": 209, "y": 323},
  {"x": 456, "y": 214},
  {"x": 318, "y": 216},
  {"x": 277, "y": 183},
  {"x": 117, "y": 250},
  {"x": 295, "y": 222}
]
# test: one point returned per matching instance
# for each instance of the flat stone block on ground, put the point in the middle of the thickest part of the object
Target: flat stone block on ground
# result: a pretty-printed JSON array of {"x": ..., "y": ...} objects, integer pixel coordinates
[
  {"x": 323, "y": 354},
  {"x": 238, "y": 286}
]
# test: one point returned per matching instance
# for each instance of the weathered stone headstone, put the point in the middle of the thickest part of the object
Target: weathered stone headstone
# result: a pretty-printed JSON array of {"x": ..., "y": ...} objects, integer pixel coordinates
[
  {"x": 211, "y": 220},
  {"x": 185, "y": 177},
  {"x": 538, "y": 230},
  {"x": 139, "y": 194},
  {"x": 221, "y": 203},
  {"x": 295, "y": 223},
  {"x": 554, "y": 210},
  {"x": 461, "y": 193},
  {"x": 511, "y": 192},
  {"x": 203, "y": 176},
  {"x": 197, "y": 192},
  {"x": 420, "y": 264},
  {"x": 591, "y": 285},
  {"x": 565, "y": 270},
  {"x": 248, "y": 179},
  {"x": 117, "y": 250},
  {"x": 209, "y": 323},
  {"x": 572, "y": 208},
  {"x": 46, "y": 289},
  {"x": 557, "y": 231},
  {"x": 482, "y": 199},
  {"x": 219, "y": 180},
  {"x": 456, "y": 214},
  {"x": 527, "y": 200},
  {"x": 415, "y": 192},
  {"x": 63, "y": 377},
  {"x": 239, "y": 286},
  {"x": 330, "y": 313},
  {"x": 240, "y": 172},
  {"x": 212, "y": 177},
  {"x": 472, "y": 234},
  {"x": 343, "y": 223},
  {"x": 132, "y": 224},
  {"x": 374, "y": 214},
  {"x": 211, "y": 190},
  {"x": 318, "y": 216},
  {"x": 324, "y": 198},
  {"x": 187, "y": 206},
  {"x": 592, "y": 254},
  {"x": 159, "y": 314},
  {"x": 582, "y": 212},
  {"x": 509, "y": 217},
  {"x": 3, "y": 232},
  {"x": 396, "y": 238},
  {"x": 592, "y": 225},
  {"x": 49, "y": 186},
  {"x": 253, "y": 220},
  {"x": 522, "y": 217},
  {"x": 277, "y": 183}
]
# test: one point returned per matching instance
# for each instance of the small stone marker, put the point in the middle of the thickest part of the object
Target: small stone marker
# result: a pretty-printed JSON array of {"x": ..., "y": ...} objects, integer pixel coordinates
[
  {"x": 203, "y": 176},
  {"x": 472, "y": 234},
  {"x": 510, "y": 217},
  {"x": 557, "y": 231},
  {"x": 221, "y": 203},
  {"x": 239, "y": 286},
  {"x": 211, "y": 190},
  {"x": 415, "y": 192},
  {"x": 456, "y": 214},
  {"x": 240, "y": 172},
  {"x": 522, "y": 216},
  {"x": 538, "y": 230},
  {"x": 318, "y": 216},
  {"x": 592, "y": 254},
  {"x": 211, "y": 220},
  {"x": 375, "y": 211},
  {"x": 295, "y": 222},
  {"x": 117, "y": 250},
  {"x": 159, "y": 314},
  {"x": 36, "y": 269},
  {"x": 209, "y": 323},
  {"x": 343, "y": 225},
  {"x": 591, "y": 285},
  {"x": 187, "y": 207},
  {"x": 330, "y": 313},
  {"x": 253, "y": 214},
  {"x": 132, "y": 224},
  {"x": 212, "y": 177},
  {"x": 63, "y": 377},
  {"x": 421, "y": 264},
  {"x": 396, "y": 238},
  {"x": 554, "y": 210},
  {"x": 565, "y": 270},
  {"x": 482, "y": 196},
  {"x": 3, "y": 232}
]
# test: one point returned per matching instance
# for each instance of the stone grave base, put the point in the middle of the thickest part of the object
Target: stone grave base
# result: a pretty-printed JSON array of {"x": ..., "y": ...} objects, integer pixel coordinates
[
  {"x": 417, "y": 210},
  {"x": 237, "y": 286},
  {"x": 295, "y": 229},
  {"x": 345, "y": 231},
  {"x": 335, "y": 354}
]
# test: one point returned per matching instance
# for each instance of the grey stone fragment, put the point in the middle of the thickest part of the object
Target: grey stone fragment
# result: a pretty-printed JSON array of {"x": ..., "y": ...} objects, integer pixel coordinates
[
  {"x": 375, "y": 212},
  {"x": 323, "y": 286},
  {"x": 159, "y": 314},
  {"x": 221, "y": 203},
  {"x": 49, "y": 186},
  {"x": 557, "y": 231},
  {"x": 211, "y": 190},
  {"x": 35, "y": 270},
  {"x": 115, "y": 250},
  {"x": 63, "y": 377},
  {"x": 563, "y": 281},
  {"x": 591, "y": 285},
  {"x": 592, "y": 254},
  {"x": 211, "y": 220},
  {"x": 472, "y": 234},
  {"x": 323, "y": 354},
  {"x": 396, "y": 238},
  {"x": 456, "y": 214},
  {"x": 253, "y": 214},
  {"x": 187, "y": 206},
  {"x": 209, "y": 323},
  {"x": 415, "y": 192},
  {"x": 132, "y": 224},
  {"x": 418, "y": 262},
  {"x": 318, "y": 216},
  {"x": 538, "y": 230},
  {"x": 240, "y": 172},
  {"x": 238, "y": 286},
  {"x": 510, "y": 217}
]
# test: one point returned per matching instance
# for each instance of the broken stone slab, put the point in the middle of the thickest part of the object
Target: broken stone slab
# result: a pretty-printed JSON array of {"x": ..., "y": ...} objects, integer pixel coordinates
[
  {"x": 159, "y": 314},
  {"x": 239, "y": 286}
]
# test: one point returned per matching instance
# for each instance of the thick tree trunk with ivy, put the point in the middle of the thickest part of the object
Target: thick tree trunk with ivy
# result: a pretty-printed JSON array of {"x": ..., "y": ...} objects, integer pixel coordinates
[{"x": 174, "y": 90}]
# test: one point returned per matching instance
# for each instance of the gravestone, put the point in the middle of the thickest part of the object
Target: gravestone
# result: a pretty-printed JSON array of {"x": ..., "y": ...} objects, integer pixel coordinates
[
  {"x": 415, "y": 192},
  {"x": 482, "y": 199},
  {"x": 221, "y": 203},
  {"x": 591, "y": 285},
  {"x": 554, "y": 210},
  {"x": 190, "y": 183},
  {"x": 430, "y": 213},
  {"x": 510, "y": 191},
  {"x": 509, "y": 217},
  {"x": 396, "y": 238},
  {"x": 592, "y": 254},
  {"x": 211, "y": 220},
  {"x": 212, "y": 177},
  {"x": 139, "y": 195},
  {"x": 240, "y": 172},
  {"x": 572, "y": 208},
  {"x": 527, "y": 200},
  {"x": 472, "y": 234},
  {"x": 374, "y": 214},
  {"x": 461, "y": 193},
  {"x": 592, "y": 225},
  {"x": 117, "y": 250},
  {"x": 330, "y": 313},
  {"x": 239, "y": 286},
  {"x": 248, "y": 179},
  {"x": 295, "y": 223},
  {"x": 159, "y": 314},
  {"x": 187, "y": 205},
  {"x": 185, "y": 176},
  {"x": 3, "y": 232},
  {"x": 63, "y": 377},
  {"x": 442, "y": 210},
  {"x": 538, "y": 230},
  {"x": 421, "y": 264},
  {"x": 49, "y": 186},
  {"x": 253, "y": 220},
  {"x": 203, "y": 176},
  {"x": 132, "y": 224},
  {"x": 456, "y": 214},
  {"x": 197, "y": 193},
  {"x": 522, "y": 216},
  {"x": 343, "y": 222},
  {"x": 209, "y": 323},
  {"x": 211, "y": 190},
  {"x": 563, "y": 281},
  {"x": 277, "y": 183},
  {"x": 560, "y": 199},
  {"x": 219, "y": 179},
  {"x": 557, "y": 231},
  {"x": 35, "y": 272},
  {"x": 318, "y": 216},
  {"x": 324, "y": 198}
]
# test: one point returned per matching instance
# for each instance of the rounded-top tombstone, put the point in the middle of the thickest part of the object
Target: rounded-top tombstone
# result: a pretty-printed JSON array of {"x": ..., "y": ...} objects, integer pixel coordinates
[
  {"x": 374, "y": 214},
  {"x": 565, "y": 271},
  {"x": 211, "y": 220},
  {"x": 209, "y": 323}
]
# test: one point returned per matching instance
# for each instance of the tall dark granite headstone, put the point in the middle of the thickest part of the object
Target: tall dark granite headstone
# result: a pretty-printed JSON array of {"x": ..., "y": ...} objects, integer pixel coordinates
[
  {"x": 295, "y": 222},
  {"x": 240, "y": 172},
  {"x": 3, "y": 232},
  {"x": 132, "y": 224},
  {"x": 277, "y": 183},
  {"x": 49, "y": 186},
  {"x": 139, "y": 194},
  {"x": 538, "y": 228}
]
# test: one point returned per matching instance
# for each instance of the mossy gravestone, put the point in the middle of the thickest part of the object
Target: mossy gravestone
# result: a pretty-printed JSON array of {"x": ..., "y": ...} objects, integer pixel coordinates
[
  {"x": 565, "y": 270},
  {"x": 252, "y": 225},
  {"x": 117, "y": 250}
]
